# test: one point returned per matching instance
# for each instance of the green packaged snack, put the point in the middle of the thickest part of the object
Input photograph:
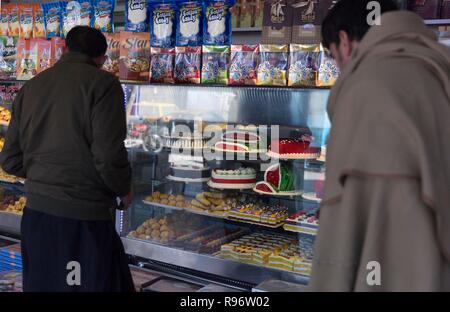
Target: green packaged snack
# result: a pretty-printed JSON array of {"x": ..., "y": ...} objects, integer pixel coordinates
[{"x": 216, "y": 61}]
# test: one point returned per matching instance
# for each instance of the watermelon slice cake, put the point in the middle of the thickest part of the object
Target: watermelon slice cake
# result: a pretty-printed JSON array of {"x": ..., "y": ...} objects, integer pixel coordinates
[
  {"x": 277, "y": 178},
  {"x": 239, "y": 141}
]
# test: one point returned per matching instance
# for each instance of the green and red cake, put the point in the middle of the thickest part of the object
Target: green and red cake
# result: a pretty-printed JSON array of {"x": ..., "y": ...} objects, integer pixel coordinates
[
  {"x": 241, "y": 141},
  {"x": 294, "y": 148},
  {"x": 278, "y": 178}
]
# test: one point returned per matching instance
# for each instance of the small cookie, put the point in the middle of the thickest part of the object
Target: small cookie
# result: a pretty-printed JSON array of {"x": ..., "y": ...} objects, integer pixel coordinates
[
  {"x": 156, "y": 233},
  {"x": 164, "y": 201},
  {"x": 202, "y": 199}
]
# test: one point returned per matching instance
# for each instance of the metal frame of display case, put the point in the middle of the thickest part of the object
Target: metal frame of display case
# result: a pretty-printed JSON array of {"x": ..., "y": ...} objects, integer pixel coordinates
[{"x": 292, "y": 108}]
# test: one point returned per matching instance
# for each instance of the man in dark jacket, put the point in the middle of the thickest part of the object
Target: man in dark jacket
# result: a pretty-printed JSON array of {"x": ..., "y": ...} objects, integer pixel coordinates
[{"x": 66, "y": 138}]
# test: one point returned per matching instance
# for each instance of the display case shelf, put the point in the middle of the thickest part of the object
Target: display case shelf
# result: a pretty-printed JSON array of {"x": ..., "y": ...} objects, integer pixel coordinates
[{"x": 10, "y": 223}]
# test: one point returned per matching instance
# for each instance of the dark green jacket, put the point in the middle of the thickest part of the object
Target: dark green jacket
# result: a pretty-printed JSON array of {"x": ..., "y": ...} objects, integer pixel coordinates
[{"x": 66, "y": 138}]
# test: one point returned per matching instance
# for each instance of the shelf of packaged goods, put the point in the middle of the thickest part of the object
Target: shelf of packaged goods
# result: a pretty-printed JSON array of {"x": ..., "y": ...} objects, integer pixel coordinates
[
  {"x": 10, "y": 223},
  {"x": 438, "y": 22},
  {"x": 249, "y": 273},
  {"x": 247, "y": 29}
]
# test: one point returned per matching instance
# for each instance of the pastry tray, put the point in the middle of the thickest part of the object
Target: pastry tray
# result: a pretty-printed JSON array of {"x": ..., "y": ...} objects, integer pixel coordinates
[{"x": 290, "y": 194}]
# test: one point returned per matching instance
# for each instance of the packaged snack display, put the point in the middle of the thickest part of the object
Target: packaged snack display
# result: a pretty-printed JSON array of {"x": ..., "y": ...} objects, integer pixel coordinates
[
  {"x": 259, "y": 10},
  {"x": 187, "y": 64},
  {"x": 136, "y": 15},
  {"x": 427, "y": 9},
  {"x": 52, "y": 18},
  {"x": 86, "y": 13},
  {"x": 272, "y": 66},
  {"x": 304, "y": 64},
  {"x": 134, "y": 63},
  {"x": 277, "y": 21},
  {"x": 58, "y": 48},
  {"x": 328, "y": 70},
  {"x": 217, "y": 22},
  {"x": 162, "y": 27},
  {"x": 26, "y": 21},
  {"x": 244, "y": 61},
  {"x": 162, "y": 65},
  {"x": 14, "y": 20},
  {"x": 103, "y": 15},
  {"x": 215, "y": 64},
  {"x": 39, "y": 23},
  {"x": 27, "y": 56},
  {"x": 44, "y": 54},
  {"x": 246, "y": 14},
  {"x": 236, "y": 14},
  {"x": 113, "y": 53},
  {"x": 189, "y": 23},
  {"x": 4, "y": 21},
  {"x": 8, "y": 51},
  {"x": 71, "y": 16}
]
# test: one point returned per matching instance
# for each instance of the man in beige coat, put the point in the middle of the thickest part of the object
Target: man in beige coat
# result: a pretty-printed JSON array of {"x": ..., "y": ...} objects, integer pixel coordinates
[{"x": 385, "y": 216}]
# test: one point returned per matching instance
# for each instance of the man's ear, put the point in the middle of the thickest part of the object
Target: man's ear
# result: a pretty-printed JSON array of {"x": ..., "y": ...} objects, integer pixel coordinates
[{"x": 345, "y": 45}]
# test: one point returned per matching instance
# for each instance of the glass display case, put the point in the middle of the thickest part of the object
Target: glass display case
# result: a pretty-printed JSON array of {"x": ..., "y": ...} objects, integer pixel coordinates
[{"x": 226, "y": 180}]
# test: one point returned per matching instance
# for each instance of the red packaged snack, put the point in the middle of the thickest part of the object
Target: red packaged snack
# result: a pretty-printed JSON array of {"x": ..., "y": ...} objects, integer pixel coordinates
[
  {"x": 27, "y": 59},
  {"x": 113, "y": 53},
  {"x": 188, "y": 64},
  {"x": 162, "y": 65},
  {"x": 44, "y": 54},
  {"x": 26, "y": 21},
  {"x": 58, "y": 47},
  {"x": 244, "y": 62},
  {"x": 134, "y": 63}
]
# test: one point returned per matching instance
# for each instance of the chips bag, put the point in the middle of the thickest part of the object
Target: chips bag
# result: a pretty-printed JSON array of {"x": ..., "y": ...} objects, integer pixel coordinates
[
  {"x": 189, "y": 23},
  {"x": 104, "y": 15},
  {"x": 244, "y": 61},
  {"x": 8, "y": 60},
  {"x": 304, "y": 64},
  {"x": 162, "y": 24},
  {"x": 39, "y": 21},
  {"x": 217, "y": 22},
  {"x": 86, "y": 13},
  {"x": 136, "y": 15},
  {"x": 272, "y": 66},
  {"x": 14, "y": 20},
  {"x": 71, "y": 16},
  {"x": 27, "y": 59},
  {"x": 53, "y": 18},
  {"x": 4, "y": 21},
  {"x": 58, "y": 48},
  {"x": 215, "y": 60},
  {"x": 134, "y": 64},
  {"x": 188, "y": 64},
  {"x": 44, "y": 48},
  {"x": 328, "y": 71},
  {"x": 26, "y": 21},
  {"x": 162, "y": 65}
]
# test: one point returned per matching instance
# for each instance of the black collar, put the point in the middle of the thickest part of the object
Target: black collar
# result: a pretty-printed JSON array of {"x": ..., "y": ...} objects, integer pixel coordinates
[{"x": 76, "y": 57}]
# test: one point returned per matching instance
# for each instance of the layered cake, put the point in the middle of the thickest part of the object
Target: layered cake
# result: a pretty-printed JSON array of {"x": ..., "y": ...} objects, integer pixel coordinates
[
  {"x": 242, "y": 140},
  {"x": 188, "y": 169},
  {"x": 302, "y": 222},
  {"x": 259, "y": 213},
  {"x": 242, "y": 178},
  {"x": 294, "y": 148},
  {"x": 279, "y": 179}
]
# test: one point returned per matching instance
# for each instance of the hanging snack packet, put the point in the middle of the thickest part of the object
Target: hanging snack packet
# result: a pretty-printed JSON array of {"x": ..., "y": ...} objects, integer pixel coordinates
[
  {"x": 52, "y": 18},
  {"x": 71, "y": 16},
  {"x": 328, "y": 70},
  {"x": 303, "y": 64},
  {"x": 112, "y": 53},
  {"x": 103, "y": 15},
  {"x": 134, "y": 63},
  {"x": 162, "y": 65},
  {"x": 215, "y": 62},
  {"x": 272, "y": 65},
  {"x": 27, "y": 59},
  {"x": 217, "y": 22},
  {"x": 26, "y": 21},
  {"x": 8, "y": 51},
  {"x": 39, "y": 23},
  {"x": 4, "y": 21},
  {"x": 58, "y": 48},
  {"x": 86, "y": 13},
  {"x": 136, "y": 15},
  {"x": 244, "y": 61},
  {"x": 162, "y": 27},
  {"x": 44, "y": 48},
  {"x": 187, "y": 64},
  {"x": 189, "y": 23},
  {"x": 14, "y": 20}
]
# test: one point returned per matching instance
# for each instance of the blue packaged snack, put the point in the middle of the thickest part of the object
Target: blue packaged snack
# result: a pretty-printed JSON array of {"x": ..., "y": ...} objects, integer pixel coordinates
[
  {"x": 53, "y": 18},
  {"x": 189, "y": 23},
  {"x": 136, "y": 16},
  {"x": 162, "y": 24},
  {"x": 217, "y": 22},
  {"x": 71, "y": 16},
  {"x": 86, "y": 13},
  {"x": 104, "y": 15}
]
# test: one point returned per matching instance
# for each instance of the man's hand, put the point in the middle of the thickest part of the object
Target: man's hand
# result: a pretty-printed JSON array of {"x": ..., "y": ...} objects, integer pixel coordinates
[{"x": 126, "y": 201}]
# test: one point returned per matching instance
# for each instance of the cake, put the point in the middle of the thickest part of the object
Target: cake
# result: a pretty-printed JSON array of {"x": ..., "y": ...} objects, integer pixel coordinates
[
  {"x": 188, "y": 169},
  {"x": 242, "y": 178},
  {"x": 243, "y": 140},
  {"x": 259, "y": 213},
  {"x": 302, "y": 222},
  {"x": 294, "y": 148},
  {"x": 278, "y": 179}
]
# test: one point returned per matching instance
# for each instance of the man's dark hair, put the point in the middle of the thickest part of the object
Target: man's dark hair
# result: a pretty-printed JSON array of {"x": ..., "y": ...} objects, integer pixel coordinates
[
  {"x": 351, "y": 17},
  {"x": 86, "y": 40}
]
